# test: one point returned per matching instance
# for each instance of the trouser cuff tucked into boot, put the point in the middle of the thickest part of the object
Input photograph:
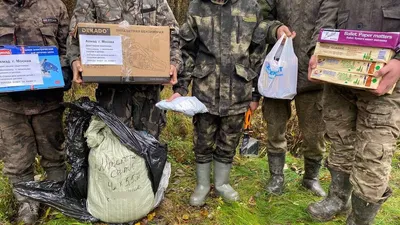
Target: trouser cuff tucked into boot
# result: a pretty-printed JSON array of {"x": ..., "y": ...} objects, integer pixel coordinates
[
  {"x": 276, "y": 163},
  {"x": 311, "y": 174}
]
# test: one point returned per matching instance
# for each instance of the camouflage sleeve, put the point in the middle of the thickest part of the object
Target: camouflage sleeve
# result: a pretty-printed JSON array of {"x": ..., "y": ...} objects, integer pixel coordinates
[
  {"x": 62, "y": 35},
  {"x": 268, "y": 12},
  {"x": 165, "y": 17},
  {"x": 327, "y": 17},
  {"x": 257, "y": 52},
  {"x": 189, "y": 49},
  {"x": 84, "y": 12}
]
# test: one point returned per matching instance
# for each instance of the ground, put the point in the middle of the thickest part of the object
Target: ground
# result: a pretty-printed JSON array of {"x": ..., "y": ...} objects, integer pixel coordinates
[{"x": 249, "y": 177}]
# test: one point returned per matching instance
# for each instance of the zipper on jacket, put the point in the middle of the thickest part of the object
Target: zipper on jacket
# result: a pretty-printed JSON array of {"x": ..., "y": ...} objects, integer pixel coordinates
[{"x": 238, "y": 30}]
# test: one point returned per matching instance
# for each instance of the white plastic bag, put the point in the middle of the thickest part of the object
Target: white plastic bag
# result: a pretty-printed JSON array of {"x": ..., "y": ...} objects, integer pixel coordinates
[
  {"x": 278, "y": 78},
  {"x": 189, "y": 106}
]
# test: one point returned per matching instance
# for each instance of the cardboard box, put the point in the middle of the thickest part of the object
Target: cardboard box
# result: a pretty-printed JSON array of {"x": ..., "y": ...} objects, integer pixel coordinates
[
  {"x": 113, "y": 53},
  {"x": 346, "y": 79},
  {"x": 348, "y": 65},
  {"x": 354, "y": 52},
  {"x": 389, "y": 40},
  {"x": 26, "y": 68}
]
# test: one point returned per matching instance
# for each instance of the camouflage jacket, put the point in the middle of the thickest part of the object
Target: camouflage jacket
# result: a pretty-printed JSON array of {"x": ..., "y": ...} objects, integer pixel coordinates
[
  {"x": 381, "y": 15},
  {"x": 135, "y": 12},
  {"x": 39, "y": 23},
  {"x": 223, "y": 48},
  {"x": 306, "y": 17}
]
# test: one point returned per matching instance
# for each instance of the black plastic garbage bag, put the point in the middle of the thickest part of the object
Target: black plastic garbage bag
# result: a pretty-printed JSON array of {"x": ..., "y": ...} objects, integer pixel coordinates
[{"x": 70, "y": 197}]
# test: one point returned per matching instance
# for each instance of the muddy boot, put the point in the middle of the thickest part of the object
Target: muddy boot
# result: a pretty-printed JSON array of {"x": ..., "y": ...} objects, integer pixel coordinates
[
  {"x": 198, "y": 198},
  {"x": 221, "y": 182},
  {"x": 28, "y": 212},
  {"x": 337, "y": 201},
  {"x": 362, "y": 212},
  {"x": 310, "y": 179},
  {"x": 276, "y": 162}
]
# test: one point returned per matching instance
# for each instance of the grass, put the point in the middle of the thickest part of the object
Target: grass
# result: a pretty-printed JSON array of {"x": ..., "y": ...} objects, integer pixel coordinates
[{"x": 249, "y": 177}]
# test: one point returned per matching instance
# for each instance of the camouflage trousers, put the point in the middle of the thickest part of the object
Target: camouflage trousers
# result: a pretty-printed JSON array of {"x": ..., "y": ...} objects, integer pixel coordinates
[
  {"x": 363, "y": 130},
  {"x": 216, "y": 137},
  {"x": 23, "y": 137},
  {"x": 277, "y": 112},
  {"x": 134, "y": 105}
]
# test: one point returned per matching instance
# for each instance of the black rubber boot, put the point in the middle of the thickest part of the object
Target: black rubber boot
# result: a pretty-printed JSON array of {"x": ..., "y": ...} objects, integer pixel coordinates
[
  {"x": 276, "y": 162},
  {"x": 337, "y": 201},
  {"x": 311, "y": 174},
  {"x": 363, "y": 213}
]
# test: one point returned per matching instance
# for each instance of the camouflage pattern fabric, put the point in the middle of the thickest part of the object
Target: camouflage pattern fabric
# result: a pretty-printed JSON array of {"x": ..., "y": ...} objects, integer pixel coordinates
[
  {"x": 135, "y": 12},
  {"x": 216, "y": 137},
  {"x": 223, "y": 48},
  {"x": 134, "y": 105},
  {"x": 362, "y": 127},
  {"x": 277, "y": 112},
  {"x": 40, "y": 23},
  {"x": 306, "y": 18},
  {"x": 22, "y": 137},
  {"x": 141, "y": 99}
]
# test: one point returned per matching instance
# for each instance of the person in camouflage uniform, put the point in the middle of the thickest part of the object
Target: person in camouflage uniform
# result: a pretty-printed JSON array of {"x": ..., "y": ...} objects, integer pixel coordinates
[
  {"x": 306, "y": 18},
  {"x": 134, "y": 104},
  {"x": 31, "y": 122},
  {"x": 362, "y": 127},
  {"x": 223, "y": 47}
]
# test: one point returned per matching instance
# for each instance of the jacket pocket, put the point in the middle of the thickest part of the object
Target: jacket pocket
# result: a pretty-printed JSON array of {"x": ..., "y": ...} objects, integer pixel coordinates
[
  {"x": 242, "y": 84},
  {"x": 343, "y": 17},
  {"x": 149, "y": 15},
  {"x": 49, "y": 38},
  {"x": 204, "y": 83},
  {"x": 391, "y": 18},
  {"x": 244, "y": 29},
  {"x": 203, "y": 70},
  {"x": 7, "y": 36}
]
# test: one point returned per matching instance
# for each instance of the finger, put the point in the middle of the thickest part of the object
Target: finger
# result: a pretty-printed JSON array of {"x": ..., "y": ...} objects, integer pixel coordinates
[
  {"x": 294, "y": 34},
  {"x": 382, "y": 72}
]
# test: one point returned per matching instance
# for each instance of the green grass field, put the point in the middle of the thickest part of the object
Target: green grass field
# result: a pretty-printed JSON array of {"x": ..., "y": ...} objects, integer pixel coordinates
[{"x": 249, "y": 177}]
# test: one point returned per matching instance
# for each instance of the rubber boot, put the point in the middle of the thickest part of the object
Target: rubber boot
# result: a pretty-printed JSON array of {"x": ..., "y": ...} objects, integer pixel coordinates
[
  {"x": 198, "y": 198},
  {"x": 276, "y": 162},
  {"x": 362, "y": 213},
  {"x": 221, "y": 182},
  {"x": 337, "y": 201},
  {"x": 311, "y": 174}
]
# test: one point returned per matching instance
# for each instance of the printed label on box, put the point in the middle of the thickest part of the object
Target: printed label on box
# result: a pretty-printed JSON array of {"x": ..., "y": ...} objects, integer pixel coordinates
[
  {"x": 354, "y": 52},
  {"x": 348, "y": 65},
  {"x": 347, "y": 79},
  {"x": 101, "y": 50},
  {"x": 20, "y": 70}
]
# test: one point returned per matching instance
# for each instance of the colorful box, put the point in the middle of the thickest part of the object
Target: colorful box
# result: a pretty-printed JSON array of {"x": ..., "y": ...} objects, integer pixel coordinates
[
  {"x": 354, "y": 52},
  {"x": 389, "y": 40},
  {"x": 351, "y": 66},
  {"x": 346, "y": 79},
  {"x": 28, "y": 68},
  {"x": 114, "y": 53}
]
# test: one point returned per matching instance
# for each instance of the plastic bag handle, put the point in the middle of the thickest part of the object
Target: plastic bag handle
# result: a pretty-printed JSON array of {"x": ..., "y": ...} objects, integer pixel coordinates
[{"x": 275, "y": 49}]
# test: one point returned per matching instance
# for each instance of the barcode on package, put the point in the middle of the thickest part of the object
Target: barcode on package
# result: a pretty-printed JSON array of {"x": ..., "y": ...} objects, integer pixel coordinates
[{"x": 382, "y": 54}]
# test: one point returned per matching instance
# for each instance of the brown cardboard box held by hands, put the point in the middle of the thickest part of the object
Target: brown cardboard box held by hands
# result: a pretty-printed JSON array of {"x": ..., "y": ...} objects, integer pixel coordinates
[{"x": 113, "y": 53}]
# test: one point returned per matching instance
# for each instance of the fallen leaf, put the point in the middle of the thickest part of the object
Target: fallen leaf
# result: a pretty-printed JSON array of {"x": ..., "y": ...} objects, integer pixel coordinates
[
  {"x": 185, "y": 217},
  {"x": 151, "y": 216},
  {"x": 252, "y": 201},
  {"x": 204, "y": 212},
  {"x": 138, "y": 223}
]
